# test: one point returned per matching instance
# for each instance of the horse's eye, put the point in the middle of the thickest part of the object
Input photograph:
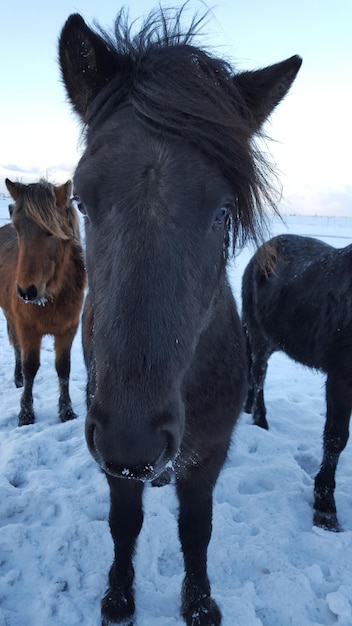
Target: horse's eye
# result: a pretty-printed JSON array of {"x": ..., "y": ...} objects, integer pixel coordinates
[
  {"x": 220, "y": 215},
  {"x": 11, "y": 209},
  {"x": 79, "y": 205}
]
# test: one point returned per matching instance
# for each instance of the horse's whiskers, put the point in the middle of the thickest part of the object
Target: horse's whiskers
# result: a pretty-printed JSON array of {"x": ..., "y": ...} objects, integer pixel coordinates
[{"x": 37, "y": 302}]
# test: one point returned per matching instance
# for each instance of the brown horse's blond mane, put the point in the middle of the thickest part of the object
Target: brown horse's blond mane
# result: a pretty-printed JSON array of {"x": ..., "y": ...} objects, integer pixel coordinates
[
  {"x": 40, "y": 204},
  {"x": 267, "y": 257}
]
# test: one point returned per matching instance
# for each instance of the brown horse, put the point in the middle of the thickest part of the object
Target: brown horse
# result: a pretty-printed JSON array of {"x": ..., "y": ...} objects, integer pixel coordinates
[{"x": 42, "y": 281}]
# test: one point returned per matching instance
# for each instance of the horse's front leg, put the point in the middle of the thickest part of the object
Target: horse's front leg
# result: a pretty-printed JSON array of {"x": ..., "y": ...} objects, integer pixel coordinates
[
  {"x": 126, "y": 518},
  {"x": 195, "y": 493},
  {"x": 336, "y": 432},
  {"x": 18, "y": 375},
  {"x": 63, "y": 344},
  {"x": 30, "y": 366}
]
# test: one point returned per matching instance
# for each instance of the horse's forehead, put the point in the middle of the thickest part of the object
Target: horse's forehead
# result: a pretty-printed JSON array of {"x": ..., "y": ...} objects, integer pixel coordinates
[
  {"x": 25, "y": 224},
  {"x": 127, "y": 145},
  {"x": 24, "y": 221},
  {"x": 125, "y": 156},
  {"x": 20, "y": 215}
]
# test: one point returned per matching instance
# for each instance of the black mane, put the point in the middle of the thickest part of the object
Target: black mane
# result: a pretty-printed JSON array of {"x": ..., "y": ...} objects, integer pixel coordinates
[{"x": 181, "y": 90}]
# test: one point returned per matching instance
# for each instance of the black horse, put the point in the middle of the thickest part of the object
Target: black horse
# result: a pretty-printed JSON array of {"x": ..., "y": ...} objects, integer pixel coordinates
[
  {"x": 170, "y": 173},
  {"x": 301, "y": 303}
]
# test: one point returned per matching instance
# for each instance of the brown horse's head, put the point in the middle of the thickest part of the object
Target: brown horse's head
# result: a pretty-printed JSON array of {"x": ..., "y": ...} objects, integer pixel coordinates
[{"x": 44, "y": 221}]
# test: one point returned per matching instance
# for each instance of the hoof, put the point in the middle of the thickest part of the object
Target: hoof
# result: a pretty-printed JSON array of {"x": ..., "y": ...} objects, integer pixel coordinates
[
  {"x": 262, "y": 423},
  {"x": 327, "y": 521},
  {"x": 198, "y": 607},
  {"x": 67, "y": 415},
  {"x": 117, "y": 609},
  {"x": 207, "y": 613},
  {"x": 25, "y": 418}
]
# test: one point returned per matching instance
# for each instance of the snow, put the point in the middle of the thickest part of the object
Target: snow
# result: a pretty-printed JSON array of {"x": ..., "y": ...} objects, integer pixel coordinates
[{"x": 268, "y": 565}]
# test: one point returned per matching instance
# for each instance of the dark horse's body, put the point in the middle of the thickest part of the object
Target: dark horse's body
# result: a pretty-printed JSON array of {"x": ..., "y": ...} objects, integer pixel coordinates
[
  {"x": 302, "y": 305},
  {"x": 42, "y": 281},
  {"x": 168, "y": 168}
]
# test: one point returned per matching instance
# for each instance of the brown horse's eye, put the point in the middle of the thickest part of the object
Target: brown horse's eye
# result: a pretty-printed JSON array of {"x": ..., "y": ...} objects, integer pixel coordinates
[{"x": 11, "y": 207}]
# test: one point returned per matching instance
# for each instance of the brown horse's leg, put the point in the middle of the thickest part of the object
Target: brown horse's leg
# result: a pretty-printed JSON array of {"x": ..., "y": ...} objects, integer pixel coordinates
[
  {"x": 30, "y": 366},
  {"x": 18, "y": 376},
  {"x": 63, "y": 345}
]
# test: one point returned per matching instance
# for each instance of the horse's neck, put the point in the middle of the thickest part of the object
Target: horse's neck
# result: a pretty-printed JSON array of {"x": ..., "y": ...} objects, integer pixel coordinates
[
  {"x": 72, "y": 274},
  {"x": 79, "y": 268}
]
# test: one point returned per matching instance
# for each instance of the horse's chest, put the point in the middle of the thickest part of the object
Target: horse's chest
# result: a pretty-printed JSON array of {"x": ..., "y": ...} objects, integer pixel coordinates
[{"x": 52, "y": 317}]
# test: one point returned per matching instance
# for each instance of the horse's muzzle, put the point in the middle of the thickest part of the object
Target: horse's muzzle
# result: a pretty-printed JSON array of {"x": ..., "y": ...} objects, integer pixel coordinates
[
  {"x": 140, "y": 455},
  {"x": 31, "y": 295},
  {"x": 145, "y": 473}
]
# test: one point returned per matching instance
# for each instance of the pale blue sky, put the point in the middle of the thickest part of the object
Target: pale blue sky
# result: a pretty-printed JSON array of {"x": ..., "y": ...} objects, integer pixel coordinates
[{"x": 39, "y": 135}]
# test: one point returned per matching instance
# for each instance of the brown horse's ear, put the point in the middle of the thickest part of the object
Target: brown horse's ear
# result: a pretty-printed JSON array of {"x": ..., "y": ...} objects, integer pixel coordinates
[
  {"x": 14, "y": 189},
  {"x": 87, "y": 63},
  {"x": 263, "y": 89},
  {"x": 63, "y": 194}
]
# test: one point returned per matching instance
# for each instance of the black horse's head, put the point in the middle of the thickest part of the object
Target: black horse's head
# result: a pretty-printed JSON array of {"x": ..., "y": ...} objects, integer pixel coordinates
[{"x": 169, "y": 174}]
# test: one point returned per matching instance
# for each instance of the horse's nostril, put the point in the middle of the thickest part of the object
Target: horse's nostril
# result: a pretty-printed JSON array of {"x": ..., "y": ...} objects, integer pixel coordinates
[
  {"x": 20, "y": 292},
  {"x": 29, "y": 294},
  {"x": 172, "y": 445},
  {"x": 90, "y": 438},
  {"x": 171, "y": 429}
]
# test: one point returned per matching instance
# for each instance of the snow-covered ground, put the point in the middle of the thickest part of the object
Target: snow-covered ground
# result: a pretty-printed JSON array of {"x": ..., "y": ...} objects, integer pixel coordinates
[{"x": 268, "y": 565}]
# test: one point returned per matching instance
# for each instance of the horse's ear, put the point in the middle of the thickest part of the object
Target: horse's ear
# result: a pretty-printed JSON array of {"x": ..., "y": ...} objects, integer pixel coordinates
[
  {"x": 14, "y": 189},
  {"x": 86, "y": 62},
  {"x": 63, "y": 194},
  {"x": 264, "y": 89}
]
